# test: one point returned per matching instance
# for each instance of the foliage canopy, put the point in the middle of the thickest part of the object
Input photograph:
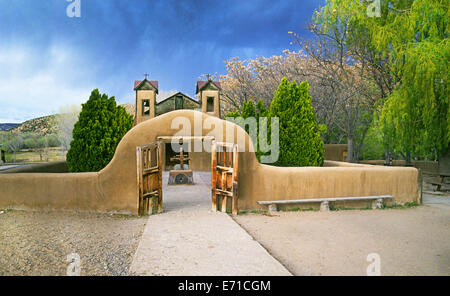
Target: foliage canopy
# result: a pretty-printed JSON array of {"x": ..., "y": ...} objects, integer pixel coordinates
[{"x": 100, "y": 127}]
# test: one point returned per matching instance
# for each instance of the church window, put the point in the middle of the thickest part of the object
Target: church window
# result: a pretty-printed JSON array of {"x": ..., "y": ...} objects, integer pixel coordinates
[
  {"x": 210, "y": 104},
  {"x": 145, "y": 107}
]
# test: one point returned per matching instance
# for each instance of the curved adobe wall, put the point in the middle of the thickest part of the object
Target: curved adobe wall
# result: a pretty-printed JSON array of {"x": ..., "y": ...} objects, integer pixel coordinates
[
  {"x": 114, "y": 189},
  {"x": 122, "y": 169}
]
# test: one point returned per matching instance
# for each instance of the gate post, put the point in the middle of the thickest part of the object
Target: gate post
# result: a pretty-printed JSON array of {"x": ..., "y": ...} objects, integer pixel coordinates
[
  {"x": 213, "y": 176},
  {"x": 235, "y": 209},
  {"x": 160, "y": 193},
  {"x": 139, "y": 180}
]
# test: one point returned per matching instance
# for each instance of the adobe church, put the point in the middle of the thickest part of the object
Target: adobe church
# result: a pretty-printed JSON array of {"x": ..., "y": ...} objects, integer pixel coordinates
[
  {"x": 207, "y": 92},
  {"x": 146, "y": 107}
]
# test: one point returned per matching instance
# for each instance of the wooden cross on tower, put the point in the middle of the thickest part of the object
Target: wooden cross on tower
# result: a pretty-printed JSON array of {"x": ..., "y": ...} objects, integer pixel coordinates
[{"x": 181, "y": 158}]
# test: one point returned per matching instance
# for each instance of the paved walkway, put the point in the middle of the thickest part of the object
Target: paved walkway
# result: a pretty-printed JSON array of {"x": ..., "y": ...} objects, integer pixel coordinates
[
  {"x": 189, "y": 239},
  {"x": 437, "y": 201}
]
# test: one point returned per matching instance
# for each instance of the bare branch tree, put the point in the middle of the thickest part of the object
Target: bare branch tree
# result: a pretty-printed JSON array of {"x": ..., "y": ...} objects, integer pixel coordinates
[{"x": 66, "y": 120}]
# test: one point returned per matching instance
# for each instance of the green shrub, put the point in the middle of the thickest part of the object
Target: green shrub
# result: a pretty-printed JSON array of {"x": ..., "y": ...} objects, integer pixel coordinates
[
  {"x": 100, "y": 127},
  {"x": 249, "y": 109},
  {"x": 300, "y": 141}
]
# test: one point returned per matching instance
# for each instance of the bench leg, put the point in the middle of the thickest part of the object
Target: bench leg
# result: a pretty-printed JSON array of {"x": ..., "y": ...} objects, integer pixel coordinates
[
  {"x": 324, "y": 206},
  {"x": 377, "y": 204},
  {"x": 273, "y": 208}
]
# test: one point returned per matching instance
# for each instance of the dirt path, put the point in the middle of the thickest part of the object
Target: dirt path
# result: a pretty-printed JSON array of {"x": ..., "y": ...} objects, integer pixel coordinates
[
  {"x": 413, "y": 241},
  {"x": 189, "y": 239},
  {"x": 37, "y": 243}
]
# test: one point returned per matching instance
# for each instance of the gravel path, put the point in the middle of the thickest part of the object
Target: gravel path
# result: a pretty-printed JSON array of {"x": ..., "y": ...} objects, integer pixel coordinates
[
  {"x": 413, "y": 241},
  {"x": 37, "y": 243}
]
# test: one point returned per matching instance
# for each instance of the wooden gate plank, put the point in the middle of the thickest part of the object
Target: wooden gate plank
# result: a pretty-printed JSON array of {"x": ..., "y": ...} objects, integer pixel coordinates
[
  {"x": 213, "y": 176},
  {"x": 224, "y": 176},
  {"x": 139, "y": 180},
  {"x": 234, "y": 208},
  {"x": 149, "y": 178},
  {"x": 160, "y": 193}
]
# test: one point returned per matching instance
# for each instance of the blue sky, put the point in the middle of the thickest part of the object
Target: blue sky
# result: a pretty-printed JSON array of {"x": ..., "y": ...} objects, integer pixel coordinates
[{"x": 49, "y": 61}]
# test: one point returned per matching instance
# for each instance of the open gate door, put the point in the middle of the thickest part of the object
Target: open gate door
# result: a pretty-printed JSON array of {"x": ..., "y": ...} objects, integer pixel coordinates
[
  {"x": 149, "y": 172},
  {"x": 224, "y": 176}
]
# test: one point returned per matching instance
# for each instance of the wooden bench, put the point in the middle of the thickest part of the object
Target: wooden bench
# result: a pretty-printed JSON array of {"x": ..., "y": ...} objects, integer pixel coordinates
[
  {"x": 325, "y": 202},
  {"x": 441, "y": 181},
  {"x": 439, "y": 186}
]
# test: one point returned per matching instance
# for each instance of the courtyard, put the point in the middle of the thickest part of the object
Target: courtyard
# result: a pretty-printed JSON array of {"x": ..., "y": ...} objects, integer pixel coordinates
[
  {"x": 410, "y": 241},
  {"x": 190, "y": 239}
]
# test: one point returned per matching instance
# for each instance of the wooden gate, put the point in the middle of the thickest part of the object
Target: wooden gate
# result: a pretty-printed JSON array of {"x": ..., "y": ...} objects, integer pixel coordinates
[
  {"x": 149, "y": 172},
  {"x": 224, "y": 176}
]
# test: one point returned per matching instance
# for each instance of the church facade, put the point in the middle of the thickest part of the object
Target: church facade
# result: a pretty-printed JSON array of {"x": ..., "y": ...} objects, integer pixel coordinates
[
  {"x": 146, "y": 107},
  {"x": 207, "y": 93}
]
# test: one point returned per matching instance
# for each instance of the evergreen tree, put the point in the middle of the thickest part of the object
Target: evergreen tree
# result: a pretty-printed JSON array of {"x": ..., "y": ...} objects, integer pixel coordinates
[
  {"x": 250, "y": 110},
  {"x": 100, "y": 127},
  {"x": 299, "y": 135}
]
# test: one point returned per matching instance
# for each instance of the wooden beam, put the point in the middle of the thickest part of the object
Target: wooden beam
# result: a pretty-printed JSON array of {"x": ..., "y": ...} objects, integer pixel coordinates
[
  {"x": 234, "y": 207},
  {"x": 151, "y": 194},
  {"x": 222, "y": 168},
  {"x": 224, "y": 192},
  {"x": 151, "y": 170},
  {"x": 224, "y": 188}
]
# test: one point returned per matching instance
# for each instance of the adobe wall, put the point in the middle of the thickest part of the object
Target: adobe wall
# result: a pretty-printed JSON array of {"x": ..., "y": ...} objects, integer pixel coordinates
[{"x": 114, "y": 189}]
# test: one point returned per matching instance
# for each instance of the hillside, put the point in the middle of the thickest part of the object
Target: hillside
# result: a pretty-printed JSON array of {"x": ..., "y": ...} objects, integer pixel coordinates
[
  {"x": 45, "y": 125},
  {"x": 8, "y": 126},
  {"x": 129, "y": 108}
]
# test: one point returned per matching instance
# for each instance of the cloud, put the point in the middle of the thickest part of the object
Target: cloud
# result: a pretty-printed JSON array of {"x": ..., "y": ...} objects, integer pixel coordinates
[
  {"x": 35, "y": 83},
  {"x": 48, "y": 60}
]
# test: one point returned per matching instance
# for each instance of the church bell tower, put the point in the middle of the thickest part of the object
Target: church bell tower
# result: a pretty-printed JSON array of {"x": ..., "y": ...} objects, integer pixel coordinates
[
  {"x": 146, "y": 91},
  {"x": 208, "y": 93}
]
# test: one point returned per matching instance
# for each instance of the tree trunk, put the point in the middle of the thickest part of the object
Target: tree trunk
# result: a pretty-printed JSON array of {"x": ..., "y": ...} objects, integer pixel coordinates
[
  {"x": 350, "y": 149},
  {"x": 408, "y": 158}
]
